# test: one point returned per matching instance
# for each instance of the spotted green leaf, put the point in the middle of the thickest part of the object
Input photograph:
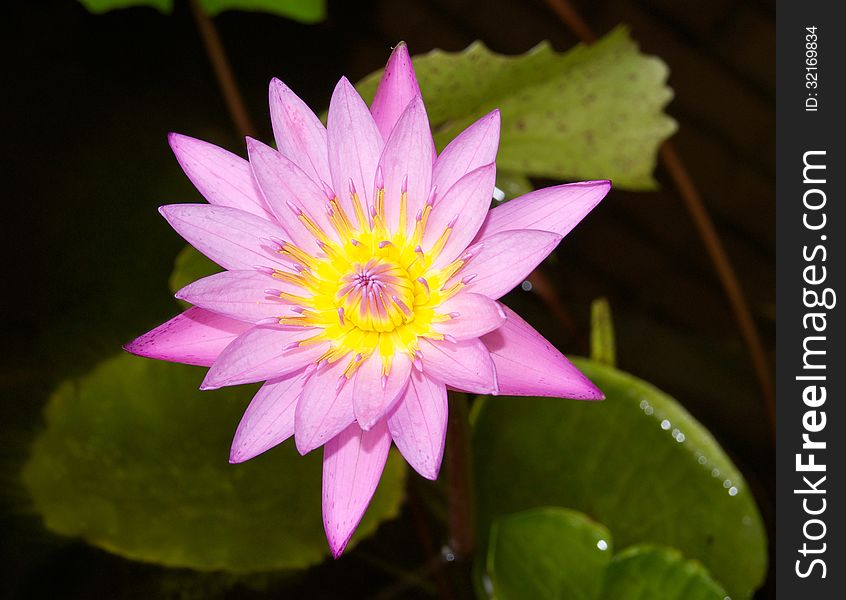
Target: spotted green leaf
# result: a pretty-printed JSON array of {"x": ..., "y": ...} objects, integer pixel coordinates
[
  {"x": 590, "y": 113},
  {"x": 637, "y": 462},
  {"x": 134, "y": 460}
]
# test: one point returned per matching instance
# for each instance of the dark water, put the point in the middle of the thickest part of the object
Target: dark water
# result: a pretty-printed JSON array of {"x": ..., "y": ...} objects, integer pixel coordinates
[{"x": 87, "y": 103}]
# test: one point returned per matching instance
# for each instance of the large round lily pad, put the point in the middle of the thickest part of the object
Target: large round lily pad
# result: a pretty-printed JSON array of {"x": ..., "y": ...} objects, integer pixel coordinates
[
  {"x": 134, "y": 459},
  {"x": 637, "y": 462}
]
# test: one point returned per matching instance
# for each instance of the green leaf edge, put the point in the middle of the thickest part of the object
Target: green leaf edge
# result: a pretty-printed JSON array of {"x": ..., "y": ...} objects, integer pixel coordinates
[
  {"x": 366, "y": 87},
  {"x": 672, "y": 554},
  {"x": 666, "y": 407},
  {"x": 395, "y": 469}
]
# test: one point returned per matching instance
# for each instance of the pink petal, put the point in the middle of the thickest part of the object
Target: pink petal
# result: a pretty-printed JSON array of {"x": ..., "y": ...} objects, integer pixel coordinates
[
  {"x": 234, "y": 239},
  {"x": 300, "y": 135},
  {"x": 464, "y": 365},
  {"x": 504, "y": 259},
  {"x": 195, "y": 337},
  {"x": 353, "y": 462},
  {"x": 557, "y": 209},
  {"x": 374, "y": 395},
  {"x": 397, "y": 87},
  {"x": 418, "y": 424},
  {"x": 528, "y": 365},
  {"x": 241, "y": 295},
  {"x": 472, "y": 148},
  {"x": 288, "y": 192},
  {"x": 464, "y": 206},
  {"x": 473, "y": 315},
  {"x": 355, "y": 145},
  {"x": 325, "y": 409},
  {"x": 269, "y": 419},
  {"x": 407, "y": 160},
  {"x": 263, "y": 353},
  {"x": 221, "y": 177}
]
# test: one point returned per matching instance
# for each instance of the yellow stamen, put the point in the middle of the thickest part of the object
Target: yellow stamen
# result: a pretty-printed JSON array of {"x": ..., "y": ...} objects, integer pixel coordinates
[
  {"x": 363, "y": 222},
  {"x": 298, "y": 255},
  {"x": 441, "y": 242},
  {"x": 403, "y": 214},
  {"x": 373, "y": 289}
]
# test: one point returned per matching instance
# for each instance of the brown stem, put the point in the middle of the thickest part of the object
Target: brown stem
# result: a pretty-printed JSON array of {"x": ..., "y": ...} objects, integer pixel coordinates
[
  {"x": 705, "y": 227},
  {"x": 459, "y": 478},
  {"x": 570, "y": 16},
  {"x": 223, "y": 70},
  {"x": 726, "y": 273}
]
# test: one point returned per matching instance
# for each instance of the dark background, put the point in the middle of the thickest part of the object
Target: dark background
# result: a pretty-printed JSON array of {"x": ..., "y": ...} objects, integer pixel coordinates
[{"x": 88, "y": 101}]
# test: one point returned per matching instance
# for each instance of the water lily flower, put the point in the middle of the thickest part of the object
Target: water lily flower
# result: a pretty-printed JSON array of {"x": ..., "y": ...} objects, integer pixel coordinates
[{"x": 362, "y": 278}]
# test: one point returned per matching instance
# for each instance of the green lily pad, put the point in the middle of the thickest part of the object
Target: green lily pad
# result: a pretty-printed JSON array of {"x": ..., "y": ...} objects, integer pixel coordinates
[
  {"x": 304, "y": 11},
  {"x": 547, "y": 553},
  {"x": 637, "y": 462},
  {"x": 656, "y": 572},
  {"x": 560, "y": 554},
  {"x": 134, "y": 459},
  {"x": 590, "y": 113}
]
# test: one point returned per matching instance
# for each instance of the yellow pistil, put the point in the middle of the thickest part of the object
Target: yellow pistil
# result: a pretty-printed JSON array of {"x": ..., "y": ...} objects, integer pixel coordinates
[{"x": 369, "y": 290}]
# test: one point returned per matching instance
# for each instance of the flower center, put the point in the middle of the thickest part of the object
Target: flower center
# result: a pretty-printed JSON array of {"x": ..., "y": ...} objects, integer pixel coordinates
[
  {"x": 376, "y": 296},
  {"x": 369, "y": 288}
]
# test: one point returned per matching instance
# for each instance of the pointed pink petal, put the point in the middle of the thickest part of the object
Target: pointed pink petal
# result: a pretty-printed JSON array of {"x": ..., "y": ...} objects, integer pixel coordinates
[
  {"x": 234, "y": 239},
  {"x": 557, "y": 209},
  {"x": 418, "y": 424},
  {"x": 407, "y": 158},
  {"x": 241, "y": 295},
  {"x": 373, "y": 395},
  {"x": 355, "y": 145},
  {"x": 528, "y": 365},
  {"x": 324, "y": 410},
  {"x": 503, "y": 260},
  {"x": 473, "y": 315},
  {"x": 472, "y": 148},
  {"x": 269, "y": 419},
  {"x": 196, "y": 337},
  {"x": 397, "y": 87},
  {"x": 299, "y": 134},
  {"x": 288, "y": 190},
  {"x": 353, "y": 462},
  {"x": 464, "y": 365},
  {"x": 465, "y": 207},
  {"x": 220, "y": 176},
  {"x": 260, "y": 353}
]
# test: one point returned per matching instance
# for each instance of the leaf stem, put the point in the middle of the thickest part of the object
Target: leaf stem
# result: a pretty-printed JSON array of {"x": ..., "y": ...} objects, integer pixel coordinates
[
  {"x": 726, "y": 273},
  {"x": 672, "y": 162},
  {"x": 461, "y": 503},
  {"x": 223, "y": 70}
]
